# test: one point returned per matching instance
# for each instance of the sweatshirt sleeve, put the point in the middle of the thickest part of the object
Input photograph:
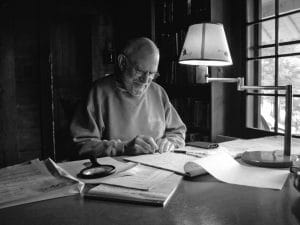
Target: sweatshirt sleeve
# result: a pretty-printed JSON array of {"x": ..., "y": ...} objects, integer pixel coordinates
[
  {"x": 175, "y": 128},
  {"x": 87, "y": 127}
]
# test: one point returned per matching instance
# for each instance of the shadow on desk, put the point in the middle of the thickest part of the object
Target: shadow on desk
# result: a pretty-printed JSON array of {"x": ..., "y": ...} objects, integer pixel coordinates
[
  {"x": 204, "y": 177},
  {"x": 223, "y": 138},
  {"x": 296, "y": 209}
]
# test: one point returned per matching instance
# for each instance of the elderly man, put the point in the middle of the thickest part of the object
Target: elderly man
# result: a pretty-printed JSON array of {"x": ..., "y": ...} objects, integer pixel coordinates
[{"x": 127, "y": 113}]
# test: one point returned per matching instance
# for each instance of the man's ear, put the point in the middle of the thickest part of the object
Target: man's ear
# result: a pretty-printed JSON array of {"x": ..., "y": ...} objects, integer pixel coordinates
[{"x": 121, "y": 62}]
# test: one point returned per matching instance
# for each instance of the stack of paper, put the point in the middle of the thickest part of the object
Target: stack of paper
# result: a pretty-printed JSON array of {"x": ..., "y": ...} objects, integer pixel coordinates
[{"x": 157, "y": 195}]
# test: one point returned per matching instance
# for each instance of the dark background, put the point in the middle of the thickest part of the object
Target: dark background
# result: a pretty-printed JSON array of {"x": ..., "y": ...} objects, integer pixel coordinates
[{"x": 52, "y": 51}]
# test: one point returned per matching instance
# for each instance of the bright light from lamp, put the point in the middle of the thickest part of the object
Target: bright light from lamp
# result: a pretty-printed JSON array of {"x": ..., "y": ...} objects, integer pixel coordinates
[{"x": 205, "y": 44}]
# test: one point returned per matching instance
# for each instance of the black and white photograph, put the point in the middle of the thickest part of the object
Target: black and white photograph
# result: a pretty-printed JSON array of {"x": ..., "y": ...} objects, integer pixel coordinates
[{"x": 150, "y": 112}]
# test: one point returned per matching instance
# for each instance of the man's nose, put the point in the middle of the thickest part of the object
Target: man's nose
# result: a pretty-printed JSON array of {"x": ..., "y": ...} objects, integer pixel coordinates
[{"x": 144, "y": 78}]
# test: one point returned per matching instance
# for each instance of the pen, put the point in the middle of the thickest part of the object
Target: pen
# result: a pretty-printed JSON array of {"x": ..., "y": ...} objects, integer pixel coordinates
[
  {"x": 198, "y": 154},
  {"x": 179, "y": 151}
]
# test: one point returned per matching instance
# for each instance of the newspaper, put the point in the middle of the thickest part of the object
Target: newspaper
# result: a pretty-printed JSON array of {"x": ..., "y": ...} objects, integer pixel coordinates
[{"x": 35, "y": 181}]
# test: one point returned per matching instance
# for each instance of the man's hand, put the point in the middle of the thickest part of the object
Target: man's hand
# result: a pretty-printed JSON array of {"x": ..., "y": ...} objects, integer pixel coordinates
[
  {"x": 100, "y": 148},
  {"x": 140, "y": 145},
  {"x": 164, "y": 145}
]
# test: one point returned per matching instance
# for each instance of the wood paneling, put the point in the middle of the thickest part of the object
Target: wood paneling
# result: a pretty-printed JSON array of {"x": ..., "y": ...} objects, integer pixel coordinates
[
  {"x": 79, "y": 38},
  {"x": 102, "y": 35},
  {"x": 71, "y": 71},
  {"x": 50, "y": 53},
  {"x": 27, "y": 78},
  {"x": 227, "y": 115},
  {"x": 46, "y": 77},
  {"x": 132, "y": 19},
  {"x": 8, "y": 125}
]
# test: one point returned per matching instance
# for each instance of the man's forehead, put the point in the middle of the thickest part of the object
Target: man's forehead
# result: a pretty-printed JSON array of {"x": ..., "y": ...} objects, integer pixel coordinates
[
  {"x": 142, "y": 61},
  {"x": 144, "y": 51},
  {"x": 144, "y": 57}
]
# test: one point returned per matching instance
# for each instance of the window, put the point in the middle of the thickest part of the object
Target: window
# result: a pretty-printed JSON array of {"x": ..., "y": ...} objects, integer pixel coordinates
[{"x": 273, "y": 58}]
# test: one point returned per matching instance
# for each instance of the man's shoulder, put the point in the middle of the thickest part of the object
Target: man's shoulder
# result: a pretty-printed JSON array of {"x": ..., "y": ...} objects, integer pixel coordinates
[
  {"x": 107, "y": 80},
  {"x": 104, "y": 84},
  {"x": 157, "y": 88}
]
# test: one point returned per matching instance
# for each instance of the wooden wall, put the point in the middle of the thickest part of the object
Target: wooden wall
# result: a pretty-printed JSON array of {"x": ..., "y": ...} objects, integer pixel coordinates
[
  {"x": 228, "y": 103},
  {"x": 20, "y": 82},
  {"x": 71, "y": 72},
  {"x": 28, "y": 83},
  {"x": 8, "y": 125},
  {"x": 50, "y": 53}
]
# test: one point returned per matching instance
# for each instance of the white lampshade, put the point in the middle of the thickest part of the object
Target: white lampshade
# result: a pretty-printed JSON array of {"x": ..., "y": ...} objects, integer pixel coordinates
[{"x": 205, "y": 44}]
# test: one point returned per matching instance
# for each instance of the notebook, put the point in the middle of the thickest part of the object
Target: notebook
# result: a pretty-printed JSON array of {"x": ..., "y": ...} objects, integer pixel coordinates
[{"x": 158, "y": 194}]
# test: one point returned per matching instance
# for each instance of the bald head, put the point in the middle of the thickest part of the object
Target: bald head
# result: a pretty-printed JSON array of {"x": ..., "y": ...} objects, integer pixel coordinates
[{"x": 140, "y": 46}]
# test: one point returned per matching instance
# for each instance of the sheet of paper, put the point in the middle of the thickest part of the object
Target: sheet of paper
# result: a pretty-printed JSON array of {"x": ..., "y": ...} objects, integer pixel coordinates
[
  {"x": 175, "y": 161},
  {"x": 30, "y": 182},
  {"x": 74, "y": 167},
  {"x": 139, "y": 177},
  {"x": 169, "y": 161},
  {"x": 223, "y": 167}
]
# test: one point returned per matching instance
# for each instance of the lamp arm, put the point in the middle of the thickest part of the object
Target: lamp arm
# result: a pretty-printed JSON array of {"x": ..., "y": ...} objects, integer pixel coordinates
[
  {"x": 223, "y": 80},
  {"x": 288, "y": 103}
]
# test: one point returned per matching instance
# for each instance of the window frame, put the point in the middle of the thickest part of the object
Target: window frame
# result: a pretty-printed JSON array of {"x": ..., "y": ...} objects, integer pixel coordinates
[{"x": 253, "y": 10}]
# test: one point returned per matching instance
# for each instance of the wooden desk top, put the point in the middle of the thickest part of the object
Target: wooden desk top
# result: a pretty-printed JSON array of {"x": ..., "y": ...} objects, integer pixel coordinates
[{"x": 201, "y": 200}]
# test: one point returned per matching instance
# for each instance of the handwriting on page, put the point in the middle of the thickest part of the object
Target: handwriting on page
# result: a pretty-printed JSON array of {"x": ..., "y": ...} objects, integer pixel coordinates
[
  {"x": 139, "y": 177},
  {"x": 169, "y": 161}
]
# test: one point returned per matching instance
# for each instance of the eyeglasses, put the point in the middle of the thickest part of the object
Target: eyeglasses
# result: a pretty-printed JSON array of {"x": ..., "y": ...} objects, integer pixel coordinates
[{"x": 139, "y": 73}]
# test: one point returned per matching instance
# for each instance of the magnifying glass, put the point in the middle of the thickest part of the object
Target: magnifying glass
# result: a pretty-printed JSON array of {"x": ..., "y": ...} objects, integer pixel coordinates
[{"x": 96, "y": 170}]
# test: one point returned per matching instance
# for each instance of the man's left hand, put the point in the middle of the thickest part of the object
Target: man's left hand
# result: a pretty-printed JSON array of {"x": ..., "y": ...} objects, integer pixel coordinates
[{"x": 164, "y": 145}]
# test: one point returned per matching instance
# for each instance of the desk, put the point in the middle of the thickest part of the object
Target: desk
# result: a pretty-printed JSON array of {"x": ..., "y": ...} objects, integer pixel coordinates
[{"x": 201, "y": 200}]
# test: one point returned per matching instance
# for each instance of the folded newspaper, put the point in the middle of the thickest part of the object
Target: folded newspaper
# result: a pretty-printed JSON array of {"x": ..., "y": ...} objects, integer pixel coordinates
[{"x": 35, "y": 180}]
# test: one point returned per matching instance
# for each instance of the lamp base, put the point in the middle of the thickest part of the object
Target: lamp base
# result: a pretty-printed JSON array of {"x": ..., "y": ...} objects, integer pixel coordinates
[{"x": 274, "y": 159}]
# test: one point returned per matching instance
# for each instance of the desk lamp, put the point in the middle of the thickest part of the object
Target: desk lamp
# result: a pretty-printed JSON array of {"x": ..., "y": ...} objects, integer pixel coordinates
[{"x": 206, "y": 45}]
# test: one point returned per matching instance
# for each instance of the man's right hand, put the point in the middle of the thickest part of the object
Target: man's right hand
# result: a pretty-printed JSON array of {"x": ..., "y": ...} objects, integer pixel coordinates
[{"x": 140, "y": 145}]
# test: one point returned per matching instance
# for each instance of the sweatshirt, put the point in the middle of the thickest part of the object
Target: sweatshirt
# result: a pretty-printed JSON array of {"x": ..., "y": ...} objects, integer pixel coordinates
[{"x": 111, "y": 113}]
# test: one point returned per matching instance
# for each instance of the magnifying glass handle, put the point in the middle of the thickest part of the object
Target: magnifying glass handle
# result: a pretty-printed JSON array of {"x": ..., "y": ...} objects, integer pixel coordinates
[{"x": 94, "y": 162}]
